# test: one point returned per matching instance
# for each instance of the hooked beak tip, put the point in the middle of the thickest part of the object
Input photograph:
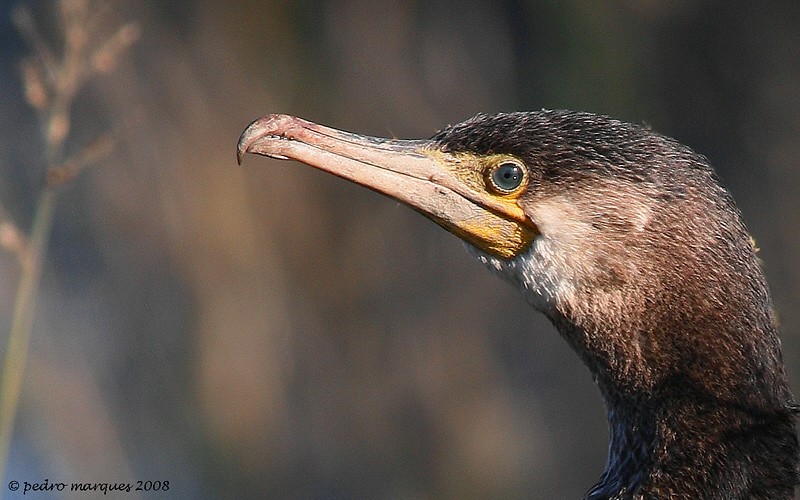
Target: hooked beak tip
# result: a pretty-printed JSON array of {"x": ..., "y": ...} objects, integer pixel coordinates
[
  {"x": 255, "y": 138},
  {"x": 248, "y": 137}
]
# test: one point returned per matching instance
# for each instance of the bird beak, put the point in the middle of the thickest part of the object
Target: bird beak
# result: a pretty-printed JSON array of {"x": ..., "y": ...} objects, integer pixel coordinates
[{"x": 413, "y": 172}]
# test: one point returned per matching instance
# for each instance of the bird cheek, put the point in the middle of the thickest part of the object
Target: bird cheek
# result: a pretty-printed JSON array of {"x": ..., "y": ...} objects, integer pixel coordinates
[{"x": 494, "y": 235}]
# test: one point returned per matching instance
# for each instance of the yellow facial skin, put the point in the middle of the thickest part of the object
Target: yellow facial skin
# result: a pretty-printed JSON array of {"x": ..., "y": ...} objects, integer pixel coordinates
[
  {"x": 499, "y": 225},
  {"x": 498, "y": 237}
]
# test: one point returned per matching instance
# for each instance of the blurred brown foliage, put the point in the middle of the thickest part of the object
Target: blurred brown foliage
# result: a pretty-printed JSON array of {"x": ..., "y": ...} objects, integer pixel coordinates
[{"x": 272, "y": 331}]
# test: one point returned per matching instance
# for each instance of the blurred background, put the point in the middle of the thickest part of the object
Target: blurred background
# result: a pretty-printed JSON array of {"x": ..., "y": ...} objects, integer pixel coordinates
[{"x": 269, "y": 331}]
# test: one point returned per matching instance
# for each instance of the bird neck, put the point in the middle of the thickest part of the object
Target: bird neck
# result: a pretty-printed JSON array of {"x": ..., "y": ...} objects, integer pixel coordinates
[
  {"x": 697, "y": 397},
  {"x": 677, "y": 442}
]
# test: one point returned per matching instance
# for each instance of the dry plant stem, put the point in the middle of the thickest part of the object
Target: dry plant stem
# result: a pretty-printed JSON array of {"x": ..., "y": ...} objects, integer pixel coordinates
[
  {"x": 24, "y": 306},
  {"x": 55, "y": 125}
]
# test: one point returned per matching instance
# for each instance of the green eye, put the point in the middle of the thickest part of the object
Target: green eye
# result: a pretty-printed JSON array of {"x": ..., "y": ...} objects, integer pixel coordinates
[{"x": 506, "y": 177}]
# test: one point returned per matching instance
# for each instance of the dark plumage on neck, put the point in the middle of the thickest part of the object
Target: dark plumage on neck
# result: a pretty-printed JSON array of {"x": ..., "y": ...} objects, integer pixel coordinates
[{"x": 644, "y": 266}]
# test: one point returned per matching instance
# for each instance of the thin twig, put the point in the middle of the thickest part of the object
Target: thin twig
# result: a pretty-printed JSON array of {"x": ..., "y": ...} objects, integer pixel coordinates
[
  {"x": 23, "y": 20},
  {"x": 91, "y": 154},
  {"x": 18, "y": 340}
]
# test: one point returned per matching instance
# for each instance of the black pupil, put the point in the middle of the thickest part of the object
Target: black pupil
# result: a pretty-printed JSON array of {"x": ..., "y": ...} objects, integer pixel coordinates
[{"x": 507, "y": 177}]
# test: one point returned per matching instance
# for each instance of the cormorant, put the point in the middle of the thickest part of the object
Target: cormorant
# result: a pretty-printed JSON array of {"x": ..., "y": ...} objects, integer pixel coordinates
[{"x": 627, "y": 242}]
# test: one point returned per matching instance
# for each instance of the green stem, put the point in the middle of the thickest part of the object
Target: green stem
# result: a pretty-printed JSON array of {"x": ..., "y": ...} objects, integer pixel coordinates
[{"x": 17, "y": 348}]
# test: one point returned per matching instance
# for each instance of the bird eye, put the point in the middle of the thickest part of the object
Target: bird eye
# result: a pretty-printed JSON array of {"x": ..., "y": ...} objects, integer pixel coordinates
[{"x": 506, "y": 177}]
